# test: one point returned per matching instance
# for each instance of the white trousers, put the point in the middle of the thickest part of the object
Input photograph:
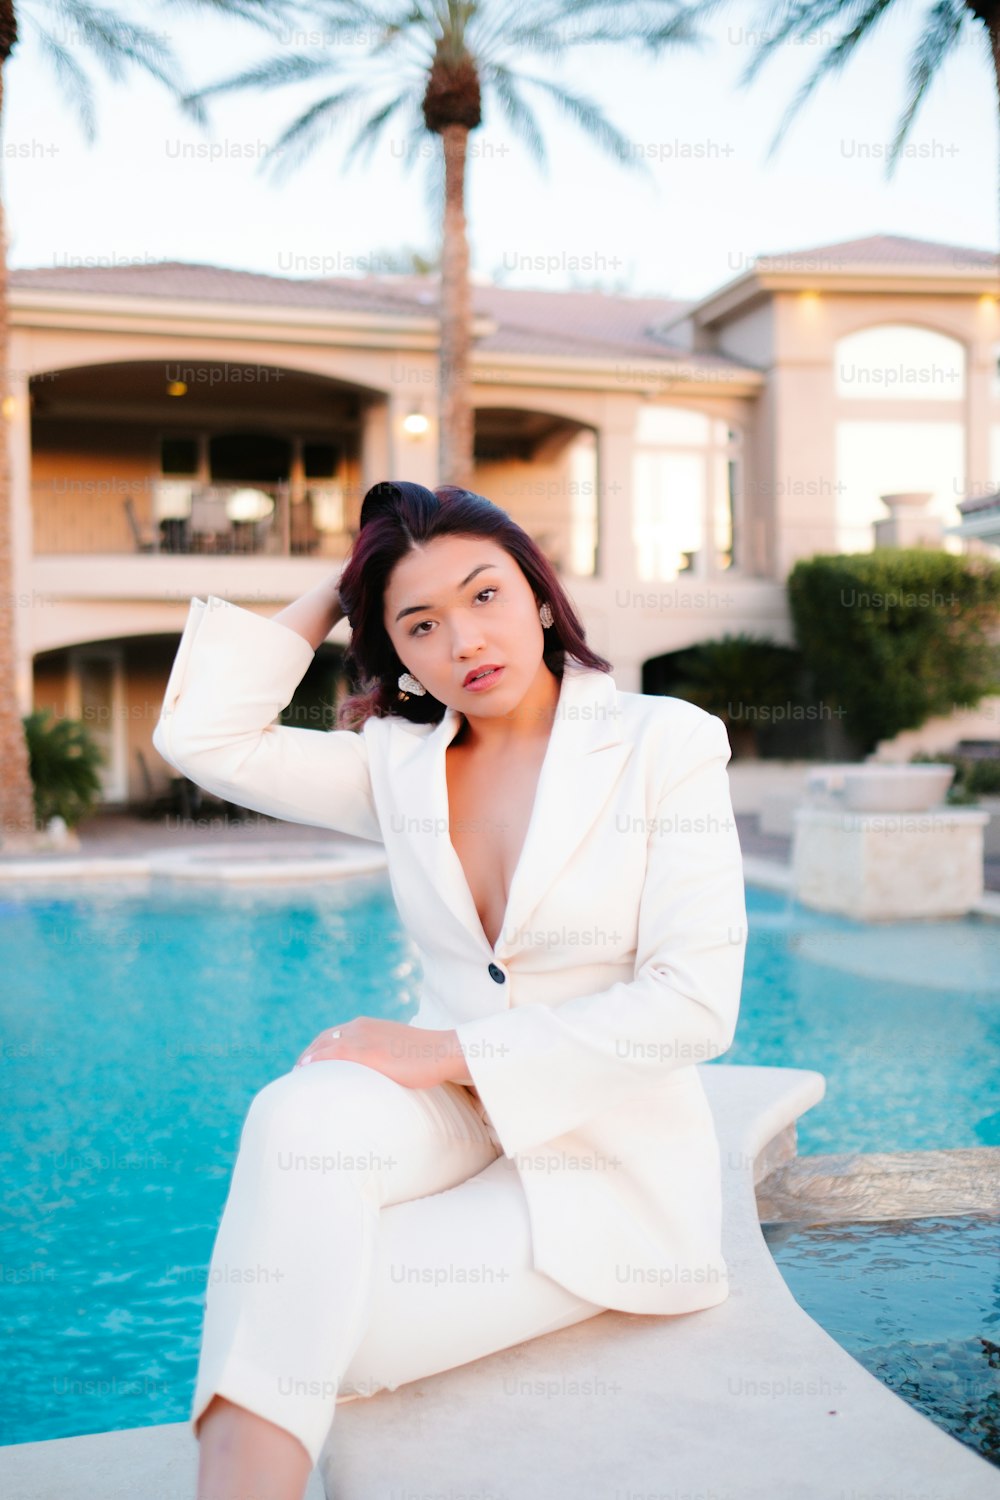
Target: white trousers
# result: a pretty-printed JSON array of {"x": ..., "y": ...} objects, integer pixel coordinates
[{"x": 373, "y": 1234}]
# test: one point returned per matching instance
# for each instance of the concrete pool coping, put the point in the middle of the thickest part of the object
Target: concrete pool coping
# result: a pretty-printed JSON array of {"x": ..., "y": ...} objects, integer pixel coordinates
[
  {"x": 241, "y": 862},
  {"x": 218, "y": 861},
  {"x": 743, "y": 1401}
]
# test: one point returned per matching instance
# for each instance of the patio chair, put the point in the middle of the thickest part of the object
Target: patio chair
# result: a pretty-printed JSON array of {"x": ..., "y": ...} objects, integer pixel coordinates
[
  {"x": 180, "y": 799},
  {"x": 210, "y": 526}
]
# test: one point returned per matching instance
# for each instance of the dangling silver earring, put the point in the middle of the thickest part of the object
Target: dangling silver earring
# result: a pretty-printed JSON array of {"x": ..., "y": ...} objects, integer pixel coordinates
[
  {"x": 545, "y": 615},
  {"x": 408, "y": 681}
]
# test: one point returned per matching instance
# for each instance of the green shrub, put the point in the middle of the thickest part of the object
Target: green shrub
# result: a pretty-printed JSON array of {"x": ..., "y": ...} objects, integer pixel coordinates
[
  {"x": 63, "y": 759},
  {"x": 898, "y": 635},
  {"x": 741, "y": 678},
  {"x": 975, "y": 776}
]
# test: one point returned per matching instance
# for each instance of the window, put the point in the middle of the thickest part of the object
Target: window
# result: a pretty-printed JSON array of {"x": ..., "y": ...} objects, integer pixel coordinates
[
  {"x": 896, "y": 362},
  {"x": 881, "y": 458},
  {"x": 685, "y": 484}
]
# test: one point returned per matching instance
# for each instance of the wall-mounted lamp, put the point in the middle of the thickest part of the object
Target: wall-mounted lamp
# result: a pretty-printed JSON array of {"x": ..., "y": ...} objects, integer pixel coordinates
[
  {"x": 416, "y": 424},
  {"x": 176, "y": 388},
  {"x": 8, "y": 406}
]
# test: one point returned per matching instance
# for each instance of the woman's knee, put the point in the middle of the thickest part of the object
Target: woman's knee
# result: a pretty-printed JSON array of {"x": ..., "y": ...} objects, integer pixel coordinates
[{"x": 322, "y": 1097}]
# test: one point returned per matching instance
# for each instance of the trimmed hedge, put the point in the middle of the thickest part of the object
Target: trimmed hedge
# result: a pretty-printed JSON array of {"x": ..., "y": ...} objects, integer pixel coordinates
[{"x": 897, "y": 635}]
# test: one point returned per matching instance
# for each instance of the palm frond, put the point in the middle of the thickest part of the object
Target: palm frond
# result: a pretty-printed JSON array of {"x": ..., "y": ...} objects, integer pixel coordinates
[
  {"x": 295, "y": 143},
  {"x": 940, "y": 35},
  {"x": 787, "y": 21},
  {"x": 629, "y": 23},
  {"x": 272, "y": 73},
  {"x": 116, "y": 43},
  {"x": 71, "y": 77},
  {"x": 521, "y": 118},
  {"x": 372, "y": 128},
  {"x": 831, "y": 62},
  {"x": 590, "y": 117},
  {"x": 268, "y": 14}
]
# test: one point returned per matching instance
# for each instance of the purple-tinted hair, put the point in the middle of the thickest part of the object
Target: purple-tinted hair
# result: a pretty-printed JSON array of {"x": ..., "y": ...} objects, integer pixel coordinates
[{"x": 396, "y": 517}]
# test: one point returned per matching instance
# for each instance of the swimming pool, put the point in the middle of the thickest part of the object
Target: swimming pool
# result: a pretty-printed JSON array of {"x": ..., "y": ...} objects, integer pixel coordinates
[
  {"x": 137, "y": 1026},
  {"x": 914, "y": 1301},
  {"x": 903, "y": 1020}
]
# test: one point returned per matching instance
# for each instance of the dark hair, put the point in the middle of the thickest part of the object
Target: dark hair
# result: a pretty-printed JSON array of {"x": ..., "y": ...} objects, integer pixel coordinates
[{"x": 396, "y": 517}]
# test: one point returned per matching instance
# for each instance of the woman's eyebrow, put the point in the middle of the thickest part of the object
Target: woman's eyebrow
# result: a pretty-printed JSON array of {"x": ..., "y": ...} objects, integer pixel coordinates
[{"x": 413, "y": 609}]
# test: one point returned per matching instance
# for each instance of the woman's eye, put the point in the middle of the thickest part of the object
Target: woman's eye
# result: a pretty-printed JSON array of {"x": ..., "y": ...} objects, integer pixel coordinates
[{"x": 492, "y": 588}]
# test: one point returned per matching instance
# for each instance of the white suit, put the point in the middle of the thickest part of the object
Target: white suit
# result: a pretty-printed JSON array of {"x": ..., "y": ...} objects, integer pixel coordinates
[{"x": 620, "y": 959}]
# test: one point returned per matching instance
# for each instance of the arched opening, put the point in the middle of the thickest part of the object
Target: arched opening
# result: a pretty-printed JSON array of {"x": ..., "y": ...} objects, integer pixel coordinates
[{"x": 900, "y": 427}]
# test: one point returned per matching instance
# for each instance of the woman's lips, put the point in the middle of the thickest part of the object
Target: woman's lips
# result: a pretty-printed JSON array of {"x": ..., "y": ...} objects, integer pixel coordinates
[{"x": 479, "y": 684}]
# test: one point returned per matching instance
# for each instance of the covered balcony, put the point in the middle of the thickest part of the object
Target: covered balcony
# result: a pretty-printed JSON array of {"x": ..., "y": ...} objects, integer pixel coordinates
[{"x": 201, "y": 457}]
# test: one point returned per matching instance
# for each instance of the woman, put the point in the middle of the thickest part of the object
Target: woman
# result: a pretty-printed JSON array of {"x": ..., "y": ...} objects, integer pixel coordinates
[{"x": 535, "y": 1145}]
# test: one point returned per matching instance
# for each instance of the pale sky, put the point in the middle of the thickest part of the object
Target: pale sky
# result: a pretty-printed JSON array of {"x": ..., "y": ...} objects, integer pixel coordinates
[{"x": 149, "y": 189}]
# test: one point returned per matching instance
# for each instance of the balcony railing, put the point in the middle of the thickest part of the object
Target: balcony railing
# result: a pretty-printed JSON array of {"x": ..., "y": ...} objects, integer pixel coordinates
[{"x": 180, "y": 515}]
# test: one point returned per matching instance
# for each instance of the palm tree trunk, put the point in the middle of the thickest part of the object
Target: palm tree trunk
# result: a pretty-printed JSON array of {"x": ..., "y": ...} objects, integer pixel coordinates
[
  {"x": 17, "y": 803},
  {"x": 455, "y": 414}
]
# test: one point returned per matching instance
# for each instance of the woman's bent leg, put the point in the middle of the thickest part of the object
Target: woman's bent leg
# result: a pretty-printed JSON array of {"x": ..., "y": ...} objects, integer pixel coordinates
[
  {"x": 453, "y": 1281},
  {"x": 324, "y": 1149}
]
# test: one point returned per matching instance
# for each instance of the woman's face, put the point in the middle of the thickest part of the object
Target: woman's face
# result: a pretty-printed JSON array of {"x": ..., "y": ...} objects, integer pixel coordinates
[{"x": 458, "y": 604}]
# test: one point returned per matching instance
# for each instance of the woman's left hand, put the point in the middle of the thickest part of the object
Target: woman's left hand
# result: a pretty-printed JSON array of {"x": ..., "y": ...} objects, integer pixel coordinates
[{"x": 414, "y": 1056}]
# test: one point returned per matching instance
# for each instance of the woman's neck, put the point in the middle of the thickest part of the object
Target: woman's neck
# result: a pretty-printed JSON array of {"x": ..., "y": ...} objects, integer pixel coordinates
[{"x": 530, "y": 721}]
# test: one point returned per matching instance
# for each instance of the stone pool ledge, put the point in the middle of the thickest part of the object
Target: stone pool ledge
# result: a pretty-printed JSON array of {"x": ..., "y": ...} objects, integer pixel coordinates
[
  {"x": 215, "y": 862},
  {"x": 750, "y": 1400}
]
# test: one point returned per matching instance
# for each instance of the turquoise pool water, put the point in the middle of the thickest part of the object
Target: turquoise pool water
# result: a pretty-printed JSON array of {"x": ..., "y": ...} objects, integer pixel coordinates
[
  {"x": 902, "y": 1019},
  {"x": 137, "y": 1027},
  {"x": 915, "y": 1302}
]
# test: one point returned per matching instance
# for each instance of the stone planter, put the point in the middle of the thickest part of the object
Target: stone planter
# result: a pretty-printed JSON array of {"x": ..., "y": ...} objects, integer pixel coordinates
[{"x": 870, "y": 787}]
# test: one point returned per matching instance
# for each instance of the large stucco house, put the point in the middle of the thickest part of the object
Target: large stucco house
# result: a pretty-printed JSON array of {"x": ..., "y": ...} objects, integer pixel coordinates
[{"x": 182, "y": 430}]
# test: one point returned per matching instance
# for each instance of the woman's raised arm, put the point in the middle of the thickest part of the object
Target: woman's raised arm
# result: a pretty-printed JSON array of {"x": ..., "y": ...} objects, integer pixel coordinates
[
  {"x": 233, "y": 673},
  {"x": 314, "y": 614}
]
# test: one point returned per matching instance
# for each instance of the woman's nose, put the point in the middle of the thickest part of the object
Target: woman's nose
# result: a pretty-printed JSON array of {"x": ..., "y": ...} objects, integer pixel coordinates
[{"x": 465, "y": 641}]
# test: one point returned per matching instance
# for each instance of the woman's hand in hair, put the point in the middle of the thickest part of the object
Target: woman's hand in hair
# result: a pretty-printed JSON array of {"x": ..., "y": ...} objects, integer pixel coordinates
[{"x": 413, "y": 1056}]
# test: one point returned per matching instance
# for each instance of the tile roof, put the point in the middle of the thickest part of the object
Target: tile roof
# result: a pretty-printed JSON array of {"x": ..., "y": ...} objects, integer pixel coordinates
[
  {"x": 529, "y": 321},
  {"x": 184, "y": 280},
  {"x": 573, "y": 324},
  {"x": 883, "y": 250}
]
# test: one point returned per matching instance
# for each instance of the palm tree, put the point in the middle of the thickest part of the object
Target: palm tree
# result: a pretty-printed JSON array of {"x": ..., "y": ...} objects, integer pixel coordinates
[
  {"x": 946, "y": 25},
  {"x": 58, "y": 26},
  {"x": 438, "y": 59}
]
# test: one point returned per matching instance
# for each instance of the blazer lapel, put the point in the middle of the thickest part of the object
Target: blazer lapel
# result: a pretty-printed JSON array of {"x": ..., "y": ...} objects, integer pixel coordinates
[{"x": 583, "y": 760}]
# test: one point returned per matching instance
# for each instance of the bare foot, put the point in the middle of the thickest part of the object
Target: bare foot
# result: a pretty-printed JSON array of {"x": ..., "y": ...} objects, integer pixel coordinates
[{"x": 245, "y": 1457}]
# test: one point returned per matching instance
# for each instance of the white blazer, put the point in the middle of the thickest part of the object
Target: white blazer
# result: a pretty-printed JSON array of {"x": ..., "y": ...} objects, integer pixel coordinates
[{"x": 620, "y": 961}]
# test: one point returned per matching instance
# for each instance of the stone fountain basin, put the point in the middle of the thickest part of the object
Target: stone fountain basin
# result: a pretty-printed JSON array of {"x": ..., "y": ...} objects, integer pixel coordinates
[{"x": 880, "y": 788}]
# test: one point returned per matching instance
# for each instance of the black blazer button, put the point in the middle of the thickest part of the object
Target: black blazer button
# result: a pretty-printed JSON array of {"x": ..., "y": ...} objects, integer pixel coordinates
[{"x": 497, "y": 973}]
